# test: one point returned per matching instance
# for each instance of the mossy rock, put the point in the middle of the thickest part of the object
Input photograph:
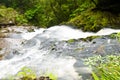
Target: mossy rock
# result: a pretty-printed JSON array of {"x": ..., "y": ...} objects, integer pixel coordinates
[
  {"x": 90, "y": 38},
  {"x": 71, "y": 40},
  {"x": 115, "y": 36},
  {"x": 31, "y": 29}
]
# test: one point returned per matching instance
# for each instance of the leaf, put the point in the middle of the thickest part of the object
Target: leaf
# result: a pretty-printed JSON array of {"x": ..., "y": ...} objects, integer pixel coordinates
[{"x": 95, "y": 76}]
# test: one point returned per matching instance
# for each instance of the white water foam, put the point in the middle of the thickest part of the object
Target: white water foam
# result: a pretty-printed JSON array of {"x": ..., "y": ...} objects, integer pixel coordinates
[
  {"x": 66, "y": 33},
  {"x": 41, "y": 59}
]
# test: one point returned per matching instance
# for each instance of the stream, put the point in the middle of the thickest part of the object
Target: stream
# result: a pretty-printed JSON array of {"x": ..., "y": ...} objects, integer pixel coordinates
[{"x": 58, "y": 50}]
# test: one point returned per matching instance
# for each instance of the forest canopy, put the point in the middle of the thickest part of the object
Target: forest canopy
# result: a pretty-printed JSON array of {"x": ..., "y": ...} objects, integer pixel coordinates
[{"x": 89, "y": 15}]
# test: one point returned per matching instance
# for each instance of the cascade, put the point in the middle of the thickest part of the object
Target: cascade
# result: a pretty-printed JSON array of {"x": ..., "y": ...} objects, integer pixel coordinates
[{"x": 46, "y": 50}]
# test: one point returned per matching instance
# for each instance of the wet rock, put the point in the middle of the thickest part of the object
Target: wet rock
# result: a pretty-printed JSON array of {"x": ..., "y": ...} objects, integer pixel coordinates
[
  {"x": 40, "y": 78},
  {"x": 80, "y": 49},
  {"x": 4, "y": 35},
  {"x": 76, "y": 48}
]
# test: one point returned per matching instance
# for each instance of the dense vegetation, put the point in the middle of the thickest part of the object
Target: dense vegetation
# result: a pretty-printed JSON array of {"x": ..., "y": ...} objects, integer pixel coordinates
[
  {"x": 89, "y": 15},
  {"x": 105, "y": 68}
]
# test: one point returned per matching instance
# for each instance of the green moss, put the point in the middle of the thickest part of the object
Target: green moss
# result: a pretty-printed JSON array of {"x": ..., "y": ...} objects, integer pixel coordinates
[
  {"x": 115, "y": 36},
  {"x": 90, "y": 38},
  {"x": 71, "y": 41},
  {"x": 118, "y": 36}
]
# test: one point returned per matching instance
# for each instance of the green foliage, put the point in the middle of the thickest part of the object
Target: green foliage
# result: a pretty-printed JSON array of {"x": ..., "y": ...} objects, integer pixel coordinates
[
  {"x": 20, "y": 19},
  {"x": 26, "y": 73},
  {"x": 43, "y": 12},
  {"x": 105, "y": 68},
  {"x": 7, "y": 14},
  {"x": 89, "y": 15},
  {"x": 29, "y": 14},
  {"x": 116, "y": 36},
  {"x": 51, "y": 76},
  {"x": 90, "y": 20},
  {"x": 95, "y": 77},
  {"x": 113, "y": 36}
]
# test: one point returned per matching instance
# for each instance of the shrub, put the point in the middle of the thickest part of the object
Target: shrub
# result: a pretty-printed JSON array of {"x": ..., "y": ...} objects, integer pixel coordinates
[
  {"x": 94, "y": 20},
  {"x": 20, "y": 19},
  {"x": 26, "y": 73},
  {"x": 52, "y": 76},
  {"x": 7, "y": 14},
  {"x": 105, "y": 68},
  {"x": 10, "y": 14}
]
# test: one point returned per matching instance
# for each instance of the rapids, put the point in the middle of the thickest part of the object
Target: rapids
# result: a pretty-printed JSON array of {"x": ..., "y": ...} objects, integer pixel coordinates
[{"x": 47, "y": 50}]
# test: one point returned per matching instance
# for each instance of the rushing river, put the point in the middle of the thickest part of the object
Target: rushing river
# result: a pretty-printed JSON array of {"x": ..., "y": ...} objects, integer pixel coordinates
[{"x": 47, "y": 50}]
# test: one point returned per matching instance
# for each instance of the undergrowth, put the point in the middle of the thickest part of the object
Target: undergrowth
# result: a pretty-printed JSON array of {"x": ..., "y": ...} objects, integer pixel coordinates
[
  {"x": 28, "y": 74},
  {"x": 105, "y": 68},
  {"x": 94, "y": 20},
  {"x": 116, "y": 36}
]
